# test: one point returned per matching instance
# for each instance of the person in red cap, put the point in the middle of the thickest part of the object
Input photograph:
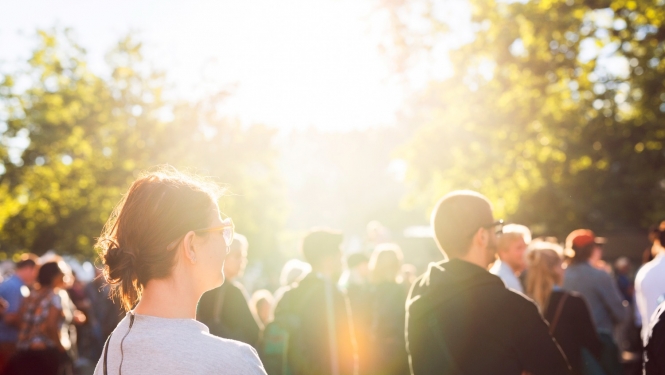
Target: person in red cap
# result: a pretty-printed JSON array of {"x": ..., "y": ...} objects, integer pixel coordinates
[{"x": 600, "y": 291}]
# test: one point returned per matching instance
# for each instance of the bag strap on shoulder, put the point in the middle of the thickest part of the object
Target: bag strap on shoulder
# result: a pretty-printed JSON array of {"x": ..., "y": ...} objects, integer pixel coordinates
[{"x": 557, "y": 314}]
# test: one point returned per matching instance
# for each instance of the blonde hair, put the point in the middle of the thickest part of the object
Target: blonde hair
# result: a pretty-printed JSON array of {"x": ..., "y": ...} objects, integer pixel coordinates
[
  {"x": 542, "y": 275},
  {"x": 385, "y": 263},
  {"x": 511, "y": 233}
]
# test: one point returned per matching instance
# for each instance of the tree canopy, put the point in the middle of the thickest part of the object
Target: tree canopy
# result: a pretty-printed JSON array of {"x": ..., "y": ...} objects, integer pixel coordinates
[
  {"x": 73, "y": 141},
  {"x": 555, "y": 110}
]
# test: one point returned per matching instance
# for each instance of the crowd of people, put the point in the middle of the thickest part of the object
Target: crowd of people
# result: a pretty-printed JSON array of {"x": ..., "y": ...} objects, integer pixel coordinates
[{"x": 499, "y": 302}]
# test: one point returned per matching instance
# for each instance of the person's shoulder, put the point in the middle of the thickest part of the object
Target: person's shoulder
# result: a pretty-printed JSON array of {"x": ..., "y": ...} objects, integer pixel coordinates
[
  {"x": 12, "y": 283},
  {"x": 9, "y": 289},
  {"x": 519, "y": 304},
  {"x": 650, "y": 270},
  {"x": 575, "y": 299},
  {"x": 57, "y": 299},
  {"x": 513, "y": 296},
  {"x": 241, "y": 357},
  {"x": 591, "y": 272},
  {"x": 228, "y": 345},
  {"x": 573, "y": 296}
]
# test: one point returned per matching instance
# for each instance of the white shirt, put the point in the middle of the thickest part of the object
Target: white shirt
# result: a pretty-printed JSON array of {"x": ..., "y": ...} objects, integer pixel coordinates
[
  {"x": 650, "y": 288},
  {"x": 507, "y": 275}
]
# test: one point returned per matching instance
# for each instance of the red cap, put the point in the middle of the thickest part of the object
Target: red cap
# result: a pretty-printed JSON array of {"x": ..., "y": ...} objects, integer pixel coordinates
[{"x": 582, "y": 237}]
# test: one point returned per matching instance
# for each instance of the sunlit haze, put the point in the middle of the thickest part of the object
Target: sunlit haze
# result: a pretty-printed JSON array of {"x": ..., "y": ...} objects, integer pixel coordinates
[{"x": 289, "y": 64}]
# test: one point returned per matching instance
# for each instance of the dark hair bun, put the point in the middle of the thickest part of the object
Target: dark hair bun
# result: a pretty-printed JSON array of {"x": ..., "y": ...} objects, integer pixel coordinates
[{"x": 119, "y": 264}]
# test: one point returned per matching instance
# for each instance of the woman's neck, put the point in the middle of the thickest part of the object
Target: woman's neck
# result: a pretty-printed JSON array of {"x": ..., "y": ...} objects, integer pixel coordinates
[{"x": 166, "y": 298}]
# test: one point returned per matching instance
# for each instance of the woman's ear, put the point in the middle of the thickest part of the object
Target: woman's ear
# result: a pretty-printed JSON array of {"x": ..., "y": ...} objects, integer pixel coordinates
[{"x": 189, "y": 246}]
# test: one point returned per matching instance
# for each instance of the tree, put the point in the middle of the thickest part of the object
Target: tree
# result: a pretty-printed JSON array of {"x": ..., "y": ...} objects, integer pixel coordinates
[
  {"x": 74, "y": 142},
  {"x": 555, "y": 111}
]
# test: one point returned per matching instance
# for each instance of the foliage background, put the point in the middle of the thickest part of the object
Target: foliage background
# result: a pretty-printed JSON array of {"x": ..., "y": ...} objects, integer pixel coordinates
[{"x": 555, "y": 110}]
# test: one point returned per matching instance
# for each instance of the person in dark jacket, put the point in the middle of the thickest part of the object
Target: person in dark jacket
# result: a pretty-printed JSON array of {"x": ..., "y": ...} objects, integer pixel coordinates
[
  {"x": 355, "y": 283},
  {"x": 566, "y": 312},
  {"x": 225, "y": 310},
  {"x": 323, "y": 341},
  {"x": 460, "y": 319},
  {"x": 387, "y": 313},
  {"x": 654, "y": 346}
]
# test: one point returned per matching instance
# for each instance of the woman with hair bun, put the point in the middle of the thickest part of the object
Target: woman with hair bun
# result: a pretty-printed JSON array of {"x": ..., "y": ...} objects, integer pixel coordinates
[
  {"x": 162, "y": 248},
  {"x": 566, "y": 312}
]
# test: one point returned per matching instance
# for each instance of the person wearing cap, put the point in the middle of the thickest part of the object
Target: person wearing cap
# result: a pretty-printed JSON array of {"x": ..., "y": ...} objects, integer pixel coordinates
[
  {"x": 317, "y": 313},
  {"x": 511, "y": 248},
  {"x": 600, "y": 291},
  {"x": 461, "y": 319},
  {"x": 650, "y": 281}
]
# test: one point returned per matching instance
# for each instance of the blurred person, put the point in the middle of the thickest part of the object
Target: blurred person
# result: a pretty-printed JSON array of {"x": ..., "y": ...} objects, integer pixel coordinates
[
  {"x": 654, "y": 343},
  {"x": 654, "y": 232},
  {"x": 377, "y": 233},
  {"x": 46, "y": 315},
  {"x": 461, "y": 319},
  {"x": 82, "y": 338},
  {"x": 355, "y": 283},
  {"x": 225, "y": 310},
  {"x": 629, "y": 332},
  {"x": 409, "y": 273},
  {"x": 292, "y": 271},
  {"x": 356, "y": 272},
  {"x": 599, "y": 290},
  {"x": 162, "y": 248},
  {"x": 622, "y": 268},
  {"x": 567, "y": 313},
  {"x": 13, "y": 291},
  {"x": 511, "y": 247},
  {"x": 316, "y": 315},
  {"x": 262, "y": 304},
  {"x": 650, "y": 282},
  {"x": 387, "y": 324},
  {"x": 104, "y": 314}
]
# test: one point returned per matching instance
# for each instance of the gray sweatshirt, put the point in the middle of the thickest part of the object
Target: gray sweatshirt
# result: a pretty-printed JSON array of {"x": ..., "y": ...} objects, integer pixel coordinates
[{"x": 175, "y": 346}]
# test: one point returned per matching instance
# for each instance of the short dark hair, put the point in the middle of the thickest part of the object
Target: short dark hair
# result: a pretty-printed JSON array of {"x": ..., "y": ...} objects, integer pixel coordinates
[
  {"x": 26, "y": 261},
  {"x": 320, "y": 243},
  {"x": 583, "y": 253},
  {"x": 456, "y": 218},
  {"x": 48, "y": 272}
]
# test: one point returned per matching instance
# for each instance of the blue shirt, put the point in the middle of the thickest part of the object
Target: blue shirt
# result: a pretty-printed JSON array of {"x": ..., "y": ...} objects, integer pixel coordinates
[
  {"x": 10, "y": 290},
  {"x": 507, "y": 275},
  {"x": 600, "y": 291}
]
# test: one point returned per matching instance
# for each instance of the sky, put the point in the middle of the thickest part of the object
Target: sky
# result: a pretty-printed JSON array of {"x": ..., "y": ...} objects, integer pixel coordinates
[{"x": 289, "y": 63}]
